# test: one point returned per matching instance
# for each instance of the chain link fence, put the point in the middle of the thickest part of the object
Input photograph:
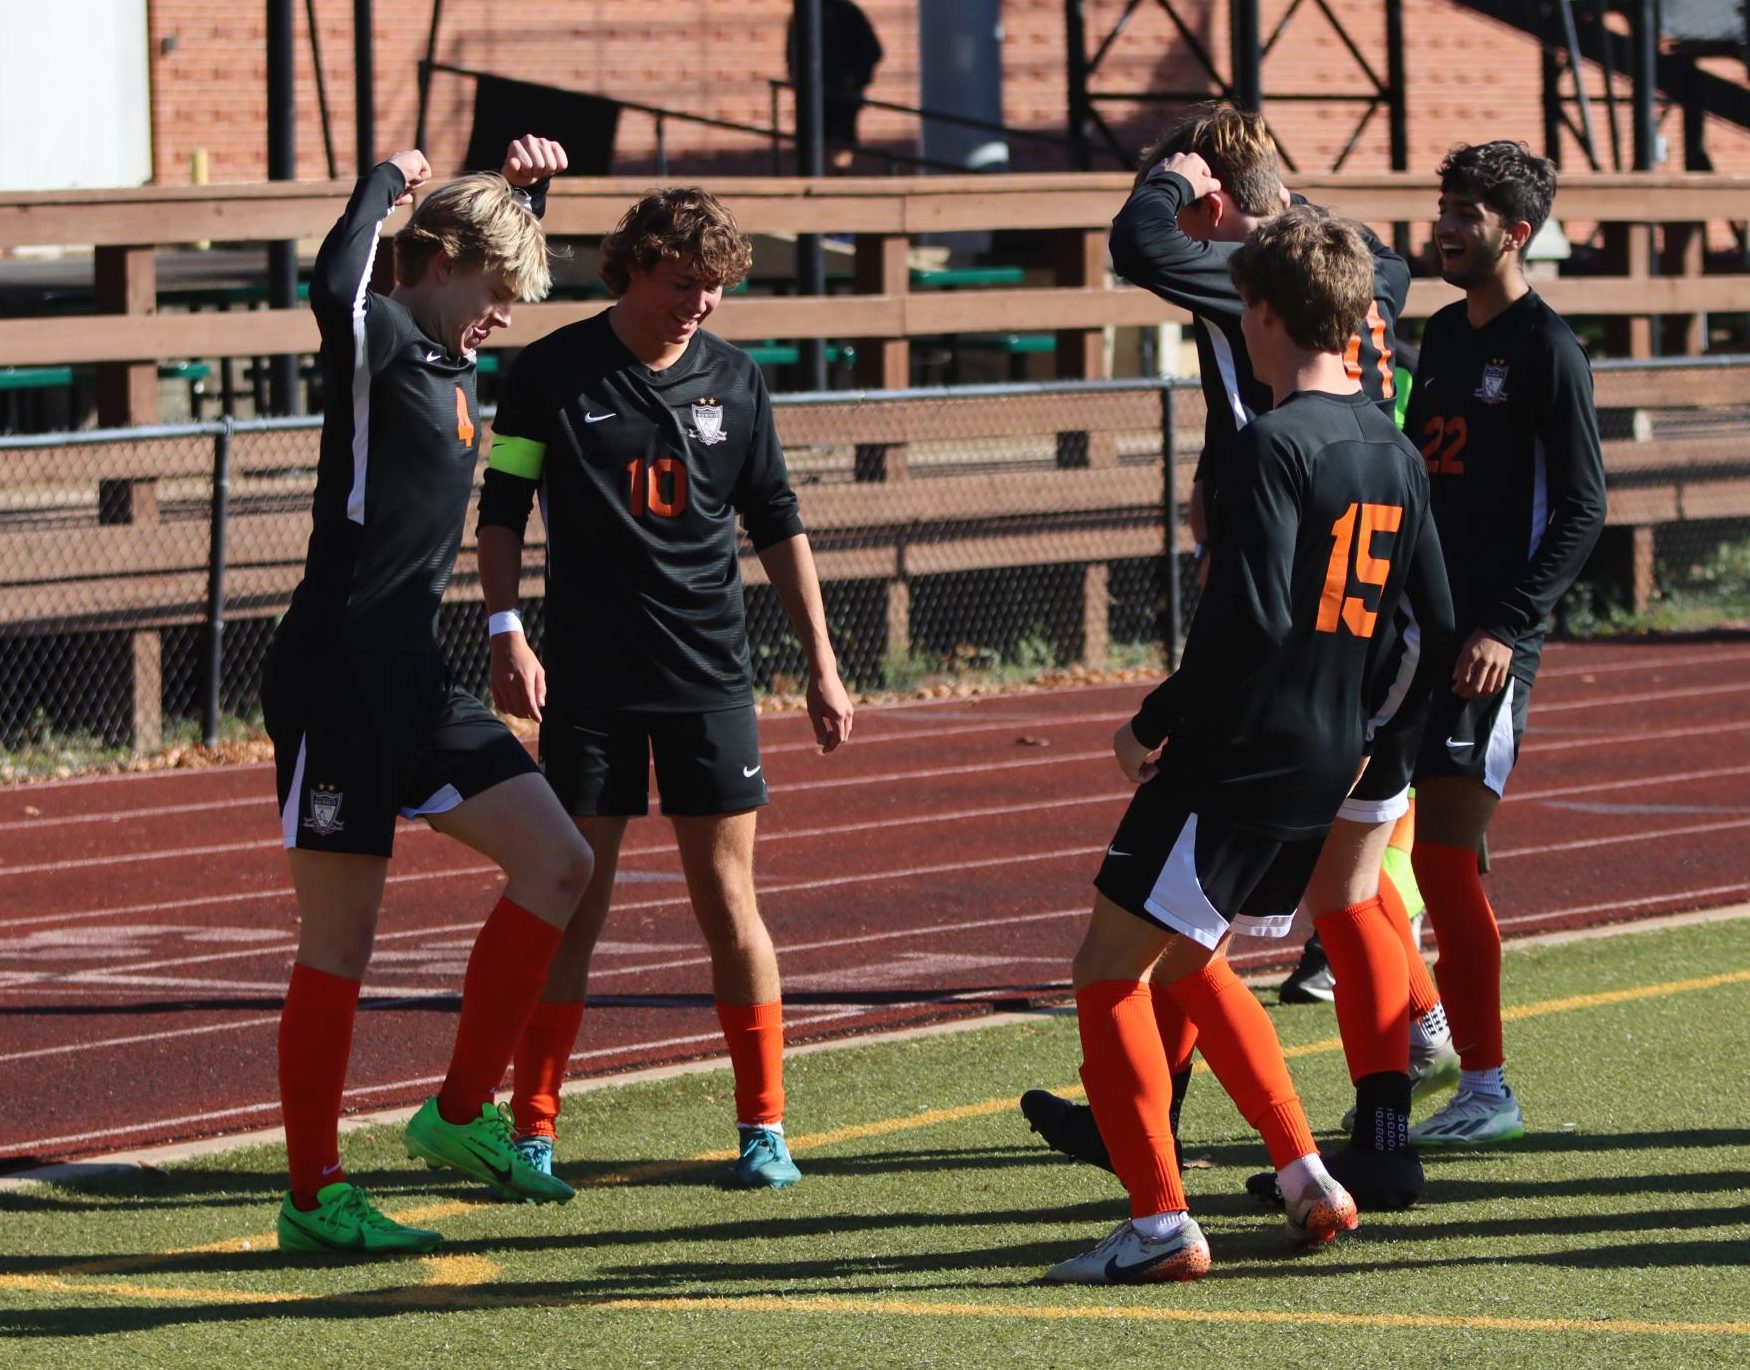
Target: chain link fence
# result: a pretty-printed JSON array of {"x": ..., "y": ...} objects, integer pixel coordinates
[{"x": 992, "y": 534}]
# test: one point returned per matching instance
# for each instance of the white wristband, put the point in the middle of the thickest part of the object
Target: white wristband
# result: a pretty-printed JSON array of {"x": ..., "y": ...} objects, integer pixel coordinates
[{"x": 509, "y": 621}]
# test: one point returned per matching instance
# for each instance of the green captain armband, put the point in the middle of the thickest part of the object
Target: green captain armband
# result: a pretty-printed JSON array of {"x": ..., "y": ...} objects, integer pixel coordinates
[{"x": 517, "y": 456}]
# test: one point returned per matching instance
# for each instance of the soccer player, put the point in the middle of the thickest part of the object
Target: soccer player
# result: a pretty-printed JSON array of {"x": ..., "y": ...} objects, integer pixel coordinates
[
  {"x": 1502, "y": 410},
  {"x": 366, "y": 720},
  {"x": 1211, "y": 181},
  {"x": 1244, "y": 754},
  {"x": 645, "y": 437}
]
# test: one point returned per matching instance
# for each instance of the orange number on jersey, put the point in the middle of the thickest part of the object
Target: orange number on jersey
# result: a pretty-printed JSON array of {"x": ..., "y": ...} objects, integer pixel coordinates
[
  {"x": 1375, "y": 325},
  {"x": 464, "y": 424},
  {"x": 1336, "y": 604},
  {"x": 648, "y": 491},
  {"x": 1455, "y": 433}
]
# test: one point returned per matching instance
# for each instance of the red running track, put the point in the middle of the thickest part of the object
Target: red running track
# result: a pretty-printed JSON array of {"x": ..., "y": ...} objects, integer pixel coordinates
[{"x": 938, "y": 865}]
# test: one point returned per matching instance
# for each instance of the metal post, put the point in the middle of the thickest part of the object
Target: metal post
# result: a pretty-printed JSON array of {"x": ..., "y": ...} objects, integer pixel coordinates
[
  {"x": 777, "y": 138},
  {"x": 1248, "y": 54},
  {"x": 216, "y": 555},
  {"x": 811, "y": 156},
  {"x": 1175, "y": 595},
  {"x": 1646, "y": 62},
  {"x": 282, "y": 256},
  {"x": 364, "y": 84},
  {"x": 1397, "y": 94},
  {"x": 425, "y": 66},
  {"x": 1076, "y": 42},
  {"x": 661, "y": 147}
]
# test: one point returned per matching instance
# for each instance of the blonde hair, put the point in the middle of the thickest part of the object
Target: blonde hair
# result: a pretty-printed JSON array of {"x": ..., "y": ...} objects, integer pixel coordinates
[
  {"x": 680, "y": 224},
  {"x": 1239, "y": 148},
  {"x": 479, "y": 220},
  {"x": 1315, "y": 272}
]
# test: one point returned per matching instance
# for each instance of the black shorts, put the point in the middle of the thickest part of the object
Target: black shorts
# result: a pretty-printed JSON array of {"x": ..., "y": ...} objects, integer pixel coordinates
[
  {"x": 598, "y": 761},
  {"x": 361, "y": 737},
  {"x": 1478, "y": 738},
  {"x": 1203, "y": 877}
]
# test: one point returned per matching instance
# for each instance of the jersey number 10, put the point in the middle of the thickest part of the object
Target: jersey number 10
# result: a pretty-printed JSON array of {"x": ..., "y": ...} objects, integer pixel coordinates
[
  {"x": 658, "y": 487},
  {"x": 1336, "y": 604}
]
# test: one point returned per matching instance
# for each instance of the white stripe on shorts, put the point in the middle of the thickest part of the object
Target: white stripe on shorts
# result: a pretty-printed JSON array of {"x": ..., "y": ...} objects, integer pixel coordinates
[
  {"x": 1502, "y": 752},
  {"x": 1178, "y": 902},
  {"x": 289, "y": 814},
  {"x": 1376, "y": 811},
  {"x": 440, "y": 801}
]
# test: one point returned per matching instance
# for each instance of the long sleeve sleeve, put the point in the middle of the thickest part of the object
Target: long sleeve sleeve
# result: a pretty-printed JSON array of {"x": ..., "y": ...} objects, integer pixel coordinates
[
  {"x": 1573, "y": 476},
  {"x": 1149, "y": 249},
  {"x": 340, "y": 283},
  {"x": 1425, "y": 622}
]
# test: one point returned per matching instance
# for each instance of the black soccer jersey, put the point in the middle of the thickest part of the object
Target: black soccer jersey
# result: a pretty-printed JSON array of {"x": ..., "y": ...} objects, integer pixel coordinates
[
  {"x": 1149, "y": 249},
  {"x": 399, "y": 445},
  {"x": 641, "y": 475},
  {"x": 1504, "y": 417},
  {"x": 1328, "y": 530}
]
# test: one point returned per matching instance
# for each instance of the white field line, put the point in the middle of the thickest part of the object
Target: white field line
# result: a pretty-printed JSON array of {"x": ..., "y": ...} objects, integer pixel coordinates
[{"x": 1647, "y": 697}]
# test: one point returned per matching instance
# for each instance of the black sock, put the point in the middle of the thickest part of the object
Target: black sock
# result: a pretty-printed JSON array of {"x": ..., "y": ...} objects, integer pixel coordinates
[{"x": 1382, "y": 1112}]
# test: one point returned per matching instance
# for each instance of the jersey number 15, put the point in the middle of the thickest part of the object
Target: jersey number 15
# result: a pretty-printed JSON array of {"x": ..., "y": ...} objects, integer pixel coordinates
[{"x": 1336, "y": 604}]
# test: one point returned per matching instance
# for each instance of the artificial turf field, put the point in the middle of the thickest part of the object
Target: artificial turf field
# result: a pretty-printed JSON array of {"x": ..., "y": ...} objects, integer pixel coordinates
[{"x": 1618, "y": 1231}]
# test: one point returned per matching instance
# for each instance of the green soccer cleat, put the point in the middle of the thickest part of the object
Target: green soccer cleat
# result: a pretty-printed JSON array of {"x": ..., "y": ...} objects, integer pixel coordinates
[
  {"x": 765, "y": 1161},
  {"x": 483, "y": 1148},
  {"x": 345, "y": 1220}
]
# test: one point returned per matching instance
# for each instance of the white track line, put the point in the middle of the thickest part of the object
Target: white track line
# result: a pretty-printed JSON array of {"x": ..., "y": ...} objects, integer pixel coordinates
[
  {"x": 1627, "y": 739},
  {"x": 1657, "y": 663},
  {"x": 1737, "y": 687},
  {"x": 380, "y": 995},
  {"x": 1581, "y": 844},
  {"x": 1639, "y": 782}
]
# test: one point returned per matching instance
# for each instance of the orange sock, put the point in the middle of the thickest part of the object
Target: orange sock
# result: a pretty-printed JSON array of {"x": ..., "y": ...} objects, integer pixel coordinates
[
  {"x": 1178, "y": 1032},
  {"x": 1124, "y": 1070},
  {"x": 1469, "y": 965},
  {"x": 1403, "y": 836},
  {"x": 1423, "y": 995},
  {"x": 1237, "y": 1040},
  {"x": 505, "y": 973},
  {"x": 755, "y": 1035},
  {"x": 1373, "y": 999},
  {"x": 542, "y": 1053},
  {"x": 314, "y": 1044}
]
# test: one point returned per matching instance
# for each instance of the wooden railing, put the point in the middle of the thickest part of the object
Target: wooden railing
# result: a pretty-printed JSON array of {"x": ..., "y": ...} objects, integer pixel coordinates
[{"x": 886, "y": 215}]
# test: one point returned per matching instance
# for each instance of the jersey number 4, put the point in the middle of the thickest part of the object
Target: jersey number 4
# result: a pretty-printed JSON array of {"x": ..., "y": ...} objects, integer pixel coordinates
[
  {"x": 658, "y": 487},
  {"x": 1375, "y": 326},
  {"x": 1337, "y": 605}
]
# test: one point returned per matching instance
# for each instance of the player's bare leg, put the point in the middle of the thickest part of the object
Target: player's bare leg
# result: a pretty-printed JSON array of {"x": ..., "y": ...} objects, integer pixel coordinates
[{"x": 717, "y": 856}]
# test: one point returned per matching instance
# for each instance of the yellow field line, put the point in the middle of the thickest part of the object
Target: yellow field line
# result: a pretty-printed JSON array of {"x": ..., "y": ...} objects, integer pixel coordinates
[
  {"x": 449, "y": 1208},
  {"x": 1060, "y": 1313},
  {"x": 443, "y": 1276}
]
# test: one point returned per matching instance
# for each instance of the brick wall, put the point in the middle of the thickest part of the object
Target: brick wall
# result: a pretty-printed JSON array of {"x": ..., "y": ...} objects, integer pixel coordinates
[{"x": 1469, "y": 77}]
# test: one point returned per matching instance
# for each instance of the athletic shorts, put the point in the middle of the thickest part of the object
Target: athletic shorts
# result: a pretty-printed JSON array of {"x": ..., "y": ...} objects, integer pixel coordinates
[
  {"x": 362, "y": 737},
  {"x": 1203, "y": 877},
  {"x": 598, "y": 761},
  {"x": 1478, "y": 738}
]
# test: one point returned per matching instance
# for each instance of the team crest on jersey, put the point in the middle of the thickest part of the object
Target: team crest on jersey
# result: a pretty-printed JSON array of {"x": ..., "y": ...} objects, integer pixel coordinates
[
  {"x": 708, "y": 421},
  {"x": 324, "y": 811},
  {"x": 1493, "y": 390}
]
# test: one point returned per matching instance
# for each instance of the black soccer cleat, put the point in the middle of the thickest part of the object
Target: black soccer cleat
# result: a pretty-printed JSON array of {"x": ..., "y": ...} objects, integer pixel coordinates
[
  {"x": 1066, "y": 1127},
  {"x": 1378, "y": 1180}
]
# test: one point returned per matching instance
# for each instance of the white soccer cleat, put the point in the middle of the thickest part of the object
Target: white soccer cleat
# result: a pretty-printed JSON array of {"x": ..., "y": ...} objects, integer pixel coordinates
[
  {"x": 1126, "y": 1257},
  {"x": 1320, "y": 1213},
  {"x": 1472, "y": 1120},
  {"x": 1433, "y": 1067}
]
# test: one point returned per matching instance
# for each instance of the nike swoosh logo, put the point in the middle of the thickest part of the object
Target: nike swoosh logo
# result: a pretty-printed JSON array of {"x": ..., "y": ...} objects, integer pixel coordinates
[
  {"x": 1120, "y": 1274},
  {"x": 597, "y": 418},
  {"x": 501, "y": 1173},
  {"x": 755, "y": 771},
  {"x": 1453, "y": 744},
  {"x": 434, "y": 356},
  {"x": 1113, "y": 851}
]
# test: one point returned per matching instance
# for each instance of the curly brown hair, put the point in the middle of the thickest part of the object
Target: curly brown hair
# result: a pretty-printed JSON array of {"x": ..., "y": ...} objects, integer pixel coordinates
[
  {"x": 1313, "y": 269},
  {"x": 680, "y": 224}
]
